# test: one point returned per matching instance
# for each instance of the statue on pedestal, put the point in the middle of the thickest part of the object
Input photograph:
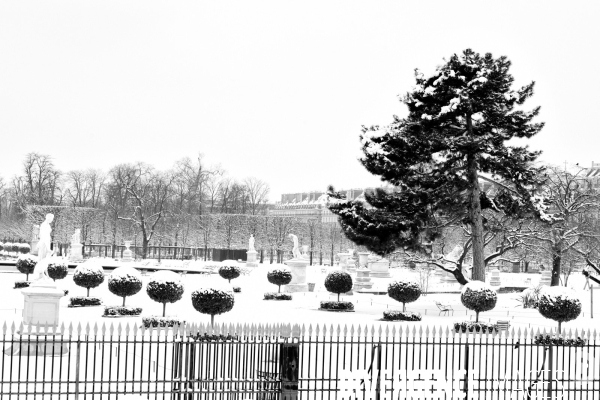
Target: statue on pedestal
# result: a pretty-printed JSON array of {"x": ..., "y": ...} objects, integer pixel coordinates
[
  {"x": 44, "y": 251},
  {"x": 295, "y": 250},
  {"x": 76, "y": 238},
  {"x": 251, "y": 243}
]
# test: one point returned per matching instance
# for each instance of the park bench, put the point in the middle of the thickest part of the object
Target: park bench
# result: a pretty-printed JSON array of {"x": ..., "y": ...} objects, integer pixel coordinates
[
  {"x": 502, "y": 325},
  {"x": 444, "y": 308}
]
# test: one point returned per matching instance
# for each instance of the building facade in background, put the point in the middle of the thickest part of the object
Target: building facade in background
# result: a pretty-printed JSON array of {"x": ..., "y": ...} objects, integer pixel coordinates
[{"x": 311, "y": 205}]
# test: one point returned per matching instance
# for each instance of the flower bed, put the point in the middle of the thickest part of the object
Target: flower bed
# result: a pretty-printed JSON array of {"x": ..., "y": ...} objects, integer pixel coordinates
[
  {"x": 475, "y": 327},
  {"x": 277, "y": 296},
  {"x": 160, "y": 322},
  {"x": 21, "y": 284},
  {"x": 344, "y": 306},
  {"x": 120, "y": 311},
  {"x": 559, "y": 340},
  {"x": 393, "y": 315},
  {"x": 84, "y": 302}
]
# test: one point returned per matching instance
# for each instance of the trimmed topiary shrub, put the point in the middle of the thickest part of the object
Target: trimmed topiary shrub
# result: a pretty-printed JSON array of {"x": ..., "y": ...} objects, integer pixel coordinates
[
  {"x": 337, "y": 306},
  {"x": 124, "y": 282},
  {"x": 165, "y": 287},
  {"x": 559, "y": 303},
  {"x": 14, "y": 247},
  {"x": 277, "y": 296},
  {"x": 21, "y": 284},
  {"x": 57, "y": 269},
  {"x": 479, "y": 297},
  {"x": 393, "y": 315},
  {"x": 338, "y": 282},
  {"x": 26, "y": 264},
  {"x": 158, "y": 322},
  {"x": 229, "y": 272},
  {"x": 23, "y": 248},
  {"x": 404, "y": 292},
  {"x": 118, "y": 311},
  {"x": 89, "y": 275},
  {"x": 482, "y": 327},
  {"x": 214, "y": 300},
  {"x": 279, "y": 276},
  {"x": 84, "y": 302}
]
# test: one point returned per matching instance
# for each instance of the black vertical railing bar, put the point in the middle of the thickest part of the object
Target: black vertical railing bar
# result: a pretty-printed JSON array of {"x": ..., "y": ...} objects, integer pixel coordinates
[
  {"x": 345, "y": 334},
  {"x": 166, "y": 346},
  {"x": 128, "y": 388},
  {"x": 309, "y": 357},
  {"x": 3, "y": 360},
  {"x": 155, "y": 364},
  {"x": 44, "y": 362},
  {"x": 96, "y": 347},
  {"x": 53, "y": 358},
  {"x": 102, "y": 358},
  {"x": 316, "y": 373},
  {"x": 237, "y": 370},
  {"x": 143, "y": 333},
  {"x": 330, "y": 344},
  {"x": 87, "y": 348},
  {"x": 149, "y": 360}
]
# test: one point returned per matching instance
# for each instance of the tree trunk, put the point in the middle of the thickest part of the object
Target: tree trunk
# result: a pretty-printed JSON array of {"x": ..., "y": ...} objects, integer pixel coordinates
[
  {"x": 164, "y": 309},
  {"x": 212, "y": 319},
  {"x": 476, "y": 316},
  {"x": 458, "y": 275},
  {"x": 476, "y": 221},
  {"x": 556, "y": 259},
  {"x": 145, "y": 243},
  {"x": 403, "y": 307},
  {"x": 124, "y": 301},
  {"x": 88, "y": 289}
]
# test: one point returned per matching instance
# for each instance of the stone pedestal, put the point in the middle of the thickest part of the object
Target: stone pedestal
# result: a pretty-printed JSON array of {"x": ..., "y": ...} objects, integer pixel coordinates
[
  {"x": 495, "y": 278},
  {"x": 76, "y": 251},
  {"x": 127, "y": 254},
  {"x": 380, "y": 268},
  {"x": 546, "y": 278},
  {"x": 363, "y": 279},
  {"x": 34, "y": 247},
  {"x": 251, "y": 258},
  {"x": 41, "y": 306},
  {"x": 298, "y": 269}
]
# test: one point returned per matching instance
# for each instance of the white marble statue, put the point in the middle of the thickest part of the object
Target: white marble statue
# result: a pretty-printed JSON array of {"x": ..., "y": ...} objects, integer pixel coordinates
[
  {"x": 44, "y": 251},
  {"x": 76, "y": 238},
  {"x": 251, "y": 243},
  {"x": 295, "y": 250}
]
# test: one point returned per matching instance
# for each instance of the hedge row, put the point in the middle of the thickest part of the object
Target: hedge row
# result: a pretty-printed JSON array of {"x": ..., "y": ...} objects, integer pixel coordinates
[{"x": 393, "y": 315}]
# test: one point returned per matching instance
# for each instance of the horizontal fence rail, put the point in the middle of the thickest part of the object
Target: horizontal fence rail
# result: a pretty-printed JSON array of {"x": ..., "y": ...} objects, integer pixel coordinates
[{"x": 282, "y": 361}]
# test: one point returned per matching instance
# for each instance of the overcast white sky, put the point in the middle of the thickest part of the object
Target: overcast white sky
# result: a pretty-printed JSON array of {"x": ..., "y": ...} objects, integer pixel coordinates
[{"x": 273, "y": 89}]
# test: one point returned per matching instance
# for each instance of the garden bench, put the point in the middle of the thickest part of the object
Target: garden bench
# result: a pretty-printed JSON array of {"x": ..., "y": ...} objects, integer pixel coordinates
[
  {"x": 502, "y": 325},
  {"x": 444, "y": 308}
]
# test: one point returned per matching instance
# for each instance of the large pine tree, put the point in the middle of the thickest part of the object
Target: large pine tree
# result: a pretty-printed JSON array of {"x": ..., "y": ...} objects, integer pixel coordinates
[{"x": 457, "y": 127}]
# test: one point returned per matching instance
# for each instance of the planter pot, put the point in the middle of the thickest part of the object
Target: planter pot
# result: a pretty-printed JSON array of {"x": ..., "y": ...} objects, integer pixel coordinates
[{"x": 311, "y": 287}]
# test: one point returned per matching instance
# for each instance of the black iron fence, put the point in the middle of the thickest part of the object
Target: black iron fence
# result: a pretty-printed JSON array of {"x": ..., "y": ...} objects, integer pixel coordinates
[{"x": 286, "y": 362}]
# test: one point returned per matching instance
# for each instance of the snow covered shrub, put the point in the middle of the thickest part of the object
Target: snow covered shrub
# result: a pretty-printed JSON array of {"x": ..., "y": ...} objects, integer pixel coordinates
[
  {"x": 338, "y": 282},
  {"x": 479, "y": 297},
  {"x": 546, "y": 340},
  {"x": 229, "y": 272},
  {"x": 89, "y": 275},
  {"x": 14, "y": 247},
  {"x": 277, "y": 296},
  {"x": 165, "y": 287},
  {"x": 57, "y": 269},
  {"x": 84, "y": 301},
  {"x": 158, "y": 322},
  {"x": 529, "y": 297},
  {"x": 279, "y": 276},
  {"x": 214, "y": 300},
  {"x": 125, "y": 281},
  {"x": 559, "y": 303},
  {"x": 404, "y": 292},
  {"x": 393, "y": 315},
  {"x": 21, "y": 284},
  {"x": 23, "y": 248},
  {"x": 337, "y": 306},
  {"x": 237, "y": 289},
  {"x": 26, "y": 264},
  {"x": 118, "y": 311}
]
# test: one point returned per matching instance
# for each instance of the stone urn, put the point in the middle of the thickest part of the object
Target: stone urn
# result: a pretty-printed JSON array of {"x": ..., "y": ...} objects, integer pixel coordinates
[
  {"x": 343, "y": 260},
  {"x": 298, "y": 268}
]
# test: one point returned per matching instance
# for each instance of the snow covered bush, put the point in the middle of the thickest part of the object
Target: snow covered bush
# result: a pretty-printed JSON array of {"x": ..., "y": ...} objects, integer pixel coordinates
[
  {"x": 89, "y": 275},
  {"x": 26, "y": 264},
  {"x": 279, "y": 276},
  {"x": 158, "y": 322},
  {"x": 23, "y": 248},
  {"x": 546, "y": 340},
  {"x": 529, "y": 297},
  {"x": 277, "y": 296},
  {"x": 393, "y": 315},
  {"x": 118, "y": 311},
  {"x": 479, "y": 297},
  {"x": 337, "y": 306},
  {"x": 57, "y": 269},
  {"x": 214, "y": 300},
  {"x": 404, "y": 292},
  {"x": 559, "y": 303},
  {"x": 165, "y": 287},
  {"x": 124, "y": 282},
  {"x": 229, "y": 272},
  {"x": 84, "y": 301},
  {"x": 338, "y": 282}
]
